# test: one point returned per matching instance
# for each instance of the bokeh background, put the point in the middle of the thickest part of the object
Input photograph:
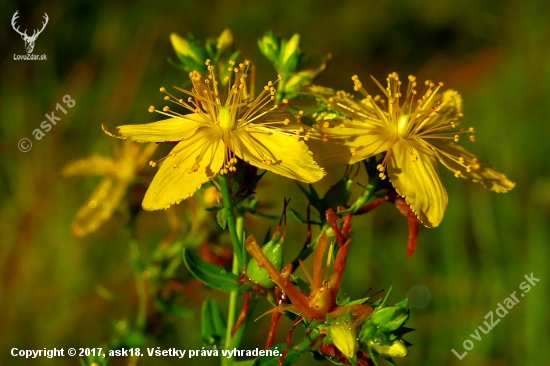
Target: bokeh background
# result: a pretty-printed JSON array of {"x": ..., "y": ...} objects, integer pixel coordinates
[{"x": 111, "y": 57}]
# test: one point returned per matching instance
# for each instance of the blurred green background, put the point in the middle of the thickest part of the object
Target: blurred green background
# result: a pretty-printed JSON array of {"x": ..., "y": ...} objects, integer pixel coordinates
[{"x": 58, "y": 291}]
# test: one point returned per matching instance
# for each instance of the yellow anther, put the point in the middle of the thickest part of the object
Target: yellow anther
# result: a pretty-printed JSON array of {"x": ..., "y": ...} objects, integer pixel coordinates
[
  {"x": 151, "y": 109},
  {"x": 166, "y": 108},
  {"x": 163, "y": 89},
  {"x": 152, "y": 164},
  {"x": 286, "y": 121},
  {"x": 457, "y": 174},
  {"x": 166, "y": 97},
  {"x": 457, "y": 138},
  {"x": 472, "y": 138}
]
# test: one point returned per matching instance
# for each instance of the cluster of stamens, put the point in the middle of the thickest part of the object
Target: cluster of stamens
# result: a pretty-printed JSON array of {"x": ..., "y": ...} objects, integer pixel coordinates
[
  {"x": 406, "y": 117},
  {"x": 238, "y": 109}
]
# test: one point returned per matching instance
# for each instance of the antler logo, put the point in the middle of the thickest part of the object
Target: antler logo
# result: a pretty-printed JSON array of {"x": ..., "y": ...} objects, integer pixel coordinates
[{"x": 29, "y": 40}]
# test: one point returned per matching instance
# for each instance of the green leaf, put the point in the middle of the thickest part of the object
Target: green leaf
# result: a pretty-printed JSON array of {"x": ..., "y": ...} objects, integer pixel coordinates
[
  {"x": 222, "y": 221},
  {"x": 212, "y": 275},
  {"x": 298, "y": 216},
  {"x": 355, "y": 302},
  {"x": 337, "y": 195},
  {"x": 213, "y": 325},
  {"x": 291, "y": 357}
]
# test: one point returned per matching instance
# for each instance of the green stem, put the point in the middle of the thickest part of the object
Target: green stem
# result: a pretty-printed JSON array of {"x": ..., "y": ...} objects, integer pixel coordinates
[
  {"x": 367, "y": 194},
  {"x": 231, "y": 314},
  {"x": 228, "y": 214},
  {"x": 240, "y": 233},
  {"x": 236, "y": 231}
]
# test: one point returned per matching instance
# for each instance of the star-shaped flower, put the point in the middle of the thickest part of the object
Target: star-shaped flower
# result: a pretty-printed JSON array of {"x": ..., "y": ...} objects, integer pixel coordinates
[
  {"x": 225, "y": 123},
  {"x": 414, "y": 132},
  {"x": 118, "y": 175}
]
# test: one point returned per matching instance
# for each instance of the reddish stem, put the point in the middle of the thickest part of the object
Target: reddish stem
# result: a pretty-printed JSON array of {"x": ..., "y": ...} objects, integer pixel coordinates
[
  {"x": 242, "y": 315},
  {"x": 289, "y": 341}
]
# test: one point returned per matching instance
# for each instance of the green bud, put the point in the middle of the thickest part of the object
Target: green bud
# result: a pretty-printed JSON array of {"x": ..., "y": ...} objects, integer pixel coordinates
[
  {"x": 273, "y": 250},
  {"x": 382, "y": 332},
  {"x": 182, "y": 47},
  {"x": 269, "y": 47},
  {"x": 390, "y": 318},
  {"x": 290, "y": 54}
]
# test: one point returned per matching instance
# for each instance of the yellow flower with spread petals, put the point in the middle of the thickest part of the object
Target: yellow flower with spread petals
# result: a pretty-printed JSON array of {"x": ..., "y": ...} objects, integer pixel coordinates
[
  {"x": 225, "y": 123},
  {"x": 118, "y": 175},
  {"x": 415, "y": 132}
]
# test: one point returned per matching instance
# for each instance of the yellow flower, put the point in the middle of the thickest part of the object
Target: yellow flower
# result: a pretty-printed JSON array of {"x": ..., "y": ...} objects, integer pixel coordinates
[
  {"x": 118, "y": 174},
  {"x": 414, "y": 131},
  {"x": 220, "y": 129}
]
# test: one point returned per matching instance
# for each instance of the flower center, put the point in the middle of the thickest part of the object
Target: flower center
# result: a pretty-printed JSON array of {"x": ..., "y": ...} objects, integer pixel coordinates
[
  {"x": 227, "y": 123},
  {"x": 402, "y": 125}
]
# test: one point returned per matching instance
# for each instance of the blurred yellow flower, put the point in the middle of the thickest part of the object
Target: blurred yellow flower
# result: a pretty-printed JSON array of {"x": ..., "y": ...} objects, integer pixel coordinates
[
  {"x": 413, "y": 133},
  {"x": 118, "y": 175},
  {"x": 219, "y": 130}
]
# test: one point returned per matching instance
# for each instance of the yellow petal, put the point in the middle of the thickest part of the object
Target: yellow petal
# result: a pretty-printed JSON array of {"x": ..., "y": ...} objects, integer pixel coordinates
[
  {"x": 172, "y": 129},
  {"x": 101, "y": 205},
  {"x": 418, "y": 181},
  {"x": 330, "y": 154},
  {"x": 363, "y": 140},
  {"x": 174, "y": 182},
  {"x": 290, "y": 158},
  {"x": 448, "y": 153},
  {"x": 94, "y": 165}
]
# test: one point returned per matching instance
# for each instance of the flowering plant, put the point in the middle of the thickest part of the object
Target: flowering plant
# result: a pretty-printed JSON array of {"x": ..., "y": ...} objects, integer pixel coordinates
[{"x": 225, "y": 138}]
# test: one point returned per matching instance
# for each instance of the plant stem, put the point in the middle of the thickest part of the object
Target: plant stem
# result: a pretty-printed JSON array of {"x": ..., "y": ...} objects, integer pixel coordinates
[
  {"x": 367, "y": 194},
  {"x": 228, "y": 215},
  {"x": 231, "y": 313},
  {"x": 236, "y": 231},
  {"x": 240, "y": 233}
]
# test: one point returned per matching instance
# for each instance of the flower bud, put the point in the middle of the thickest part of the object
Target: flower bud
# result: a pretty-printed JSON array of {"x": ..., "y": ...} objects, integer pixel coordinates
[
  {"x": 225, "y": 39},
  {"x": 274, "y": 252},
  {"x": 344, "y": 336}
]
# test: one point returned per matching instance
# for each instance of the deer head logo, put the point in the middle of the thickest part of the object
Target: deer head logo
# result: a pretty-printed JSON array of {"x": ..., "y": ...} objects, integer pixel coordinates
[{"x": 29, "y": 40}]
